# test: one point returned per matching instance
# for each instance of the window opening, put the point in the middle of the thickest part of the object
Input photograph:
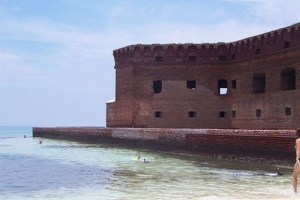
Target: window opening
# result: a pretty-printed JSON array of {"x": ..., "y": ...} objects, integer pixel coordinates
[
  {"x": 233, "y": 113},
  {"x": 159, "y": 58},
  {"x": 288, "y": 111},
  {"x": 287, "y": 45},
  {"x": 222, "y": 86},
  {"x": 222, "y": 58},
  {"x": 257, "y": 51},
  {"x": 158, "y": 114},
  {"x": 233, "y": 82},
  {"x": 259, "y": 83},
  {"x": 233, "y": 57},
  {"x": 288, "y": 79},
  {"x": 192, "y": 114},
  {"x": 222, "y": 114},
  {"x": 157, "y": 86},
  {"x": 258, "y": 112},
  {"x": 192, "y": 58},
  {"x": 191, "y": 84}
]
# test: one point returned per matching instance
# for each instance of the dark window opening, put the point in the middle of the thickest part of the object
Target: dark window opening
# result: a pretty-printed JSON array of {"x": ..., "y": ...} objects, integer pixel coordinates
[
  {"x": 159, "y": 58},
  {"x": 191, "y": 84},
  {"x": 192, "y": 114},
  {"x": 157, "y": 86},
  {"x": 288, "y": 111},
  {"x": 158, "y": 114},
  {"x": 257, "y": 51},
  {"x": 192, "y": 58},
  {"x": 259, "y": 83},
  {"x": 233, "y": 82},
  {"x": 287, "y": 45},
  {"x": 222, "y": 114},
  {"x": 222, "y": 58},
  {"x": 233, "y": 57},
  {"x": 233, "y": 113},
  {"x": 258, "y": 112},
  {"x": 288, "y": 79},
  {"x": 222, "y": 86}
]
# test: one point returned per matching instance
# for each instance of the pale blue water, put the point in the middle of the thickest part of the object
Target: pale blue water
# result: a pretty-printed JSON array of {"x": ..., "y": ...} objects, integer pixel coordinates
[{"x": 58, "y": 169}]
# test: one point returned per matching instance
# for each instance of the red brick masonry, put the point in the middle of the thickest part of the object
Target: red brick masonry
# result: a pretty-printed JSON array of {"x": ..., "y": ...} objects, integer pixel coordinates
[
  {"x": 273, "y": 144},
  {"x": 179, "y": 85}
]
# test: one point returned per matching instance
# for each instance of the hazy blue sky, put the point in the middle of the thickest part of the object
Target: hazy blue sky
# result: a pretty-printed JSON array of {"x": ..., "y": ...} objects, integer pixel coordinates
[{"x": 56, "y": 63}]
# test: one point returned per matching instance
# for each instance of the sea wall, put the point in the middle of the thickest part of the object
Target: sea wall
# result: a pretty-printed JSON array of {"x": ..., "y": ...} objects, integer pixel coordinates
[{"x": 230, "y": 143}]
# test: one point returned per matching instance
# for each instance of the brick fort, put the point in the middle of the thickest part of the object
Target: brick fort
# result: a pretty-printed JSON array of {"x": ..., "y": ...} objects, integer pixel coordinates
[{"x": 251, "y": 83}]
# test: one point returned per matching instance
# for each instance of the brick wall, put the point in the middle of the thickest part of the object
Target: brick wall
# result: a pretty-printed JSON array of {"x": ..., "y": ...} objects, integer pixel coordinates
[
  {"x": 137, "y": 66},
  {"x": 250, "y": 143}
]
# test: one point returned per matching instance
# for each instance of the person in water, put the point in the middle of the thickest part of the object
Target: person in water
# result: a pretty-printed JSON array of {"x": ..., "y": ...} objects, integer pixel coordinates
[
  {"x": 143, "y": 160},
  {"x": 279, "y": 173},
  {"x": 296, "y": 170}
]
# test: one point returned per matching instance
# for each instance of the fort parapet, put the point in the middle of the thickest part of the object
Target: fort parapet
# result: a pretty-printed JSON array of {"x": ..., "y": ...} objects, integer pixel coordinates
[
  {"x": 266, "y": 43},
  {"x": 253, "y": 83}
]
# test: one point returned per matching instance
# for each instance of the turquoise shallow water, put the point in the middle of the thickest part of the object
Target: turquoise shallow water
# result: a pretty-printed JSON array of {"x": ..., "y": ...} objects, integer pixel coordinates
[{"x": 58, "y": 169}]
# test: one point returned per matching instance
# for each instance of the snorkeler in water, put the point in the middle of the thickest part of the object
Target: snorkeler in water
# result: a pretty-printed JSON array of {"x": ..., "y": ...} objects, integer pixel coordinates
[
  {"x": 143, "y": 160},
  {"x": 279, "y": 173}
]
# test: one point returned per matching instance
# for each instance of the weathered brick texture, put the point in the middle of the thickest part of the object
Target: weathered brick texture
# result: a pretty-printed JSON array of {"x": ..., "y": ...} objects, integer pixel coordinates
[
  {"x": 275, "y": 144},
  {"x": 261, "y": 74}
]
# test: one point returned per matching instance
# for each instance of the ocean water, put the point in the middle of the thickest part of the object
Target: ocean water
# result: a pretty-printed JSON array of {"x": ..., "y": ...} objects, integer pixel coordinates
[{"x": 58, "y": 169}]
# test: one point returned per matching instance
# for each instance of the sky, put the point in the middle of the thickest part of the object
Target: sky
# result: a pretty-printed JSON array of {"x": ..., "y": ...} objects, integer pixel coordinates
[{"x": 56, "y": 62}]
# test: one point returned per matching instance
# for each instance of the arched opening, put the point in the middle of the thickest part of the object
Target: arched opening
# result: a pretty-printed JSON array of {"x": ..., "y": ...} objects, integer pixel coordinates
[
  {"x": 259, "y": 83},
  {"x": 158, "y": 50},
  {"x": 192, "y": 50},
  {"x": 288, "y": 79},
  {"x": 180, "y": 50},
  {"x": 157, "y": 86},
  {"x": 147, "y": 50},
  {"x": 170, "y": 50}
]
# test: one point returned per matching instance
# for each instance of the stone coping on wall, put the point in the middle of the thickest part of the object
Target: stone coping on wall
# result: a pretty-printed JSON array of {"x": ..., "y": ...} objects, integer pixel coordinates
[{"x": 155, "y": 133}]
